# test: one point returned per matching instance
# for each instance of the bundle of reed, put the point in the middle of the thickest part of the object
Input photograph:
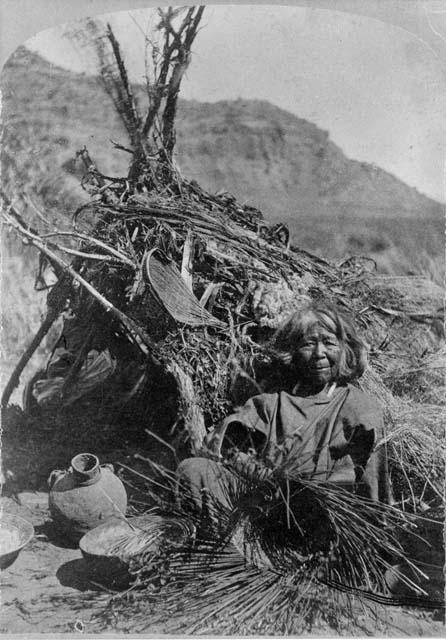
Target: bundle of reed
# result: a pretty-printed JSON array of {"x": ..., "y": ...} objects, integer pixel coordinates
[{"x": 278, "y": 554}]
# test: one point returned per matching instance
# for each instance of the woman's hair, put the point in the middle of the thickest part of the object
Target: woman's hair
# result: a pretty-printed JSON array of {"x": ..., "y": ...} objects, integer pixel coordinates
[{"x": 353, "y": 352}]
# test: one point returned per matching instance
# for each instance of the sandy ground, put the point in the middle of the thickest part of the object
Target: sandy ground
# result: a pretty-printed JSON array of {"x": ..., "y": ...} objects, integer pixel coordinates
[
  {"x": 48, "y": 590},
  {"x": 38, "y": 592}
]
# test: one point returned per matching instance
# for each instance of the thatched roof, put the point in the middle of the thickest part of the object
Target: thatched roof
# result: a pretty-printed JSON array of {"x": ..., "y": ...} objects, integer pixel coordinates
[{"x": 195, "y": 284}]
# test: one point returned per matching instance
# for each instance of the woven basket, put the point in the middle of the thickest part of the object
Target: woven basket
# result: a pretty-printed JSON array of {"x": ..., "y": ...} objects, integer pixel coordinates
[{"x": 173, "y": 293}]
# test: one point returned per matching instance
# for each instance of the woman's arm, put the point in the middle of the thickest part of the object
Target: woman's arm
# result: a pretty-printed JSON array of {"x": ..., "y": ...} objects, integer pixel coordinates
[{"x": 364, "y": 424}]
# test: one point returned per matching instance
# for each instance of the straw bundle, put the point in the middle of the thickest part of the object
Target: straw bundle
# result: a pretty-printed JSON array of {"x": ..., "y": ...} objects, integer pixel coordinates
[{"x": 261, "y": 564}]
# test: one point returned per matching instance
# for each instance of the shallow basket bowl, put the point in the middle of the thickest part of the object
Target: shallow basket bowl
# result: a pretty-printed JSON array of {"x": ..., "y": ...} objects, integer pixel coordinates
[
  {"x": 111, "y": 567},
  {"x": 95, "y": 544},
  {"x": 15, "y": 533}
]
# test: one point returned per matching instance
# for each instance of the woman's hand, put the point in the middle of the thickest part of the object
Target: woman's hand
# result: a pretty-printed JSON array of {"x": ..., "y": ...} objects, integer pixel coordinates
[{"x": 248, "y": 464}]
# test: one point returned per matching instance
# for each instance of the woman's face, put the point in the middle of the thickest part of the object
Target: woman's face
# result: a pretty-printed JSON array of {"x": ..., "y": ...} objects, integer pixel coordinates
[{"x": 317, "y": 356}]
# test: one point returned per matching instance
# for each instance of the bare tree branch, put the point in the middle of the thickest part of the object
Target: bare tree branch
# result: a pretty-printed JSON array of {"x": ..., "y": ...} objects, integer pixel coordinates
[
  {"x": 129, "y": 108},
  {"x": 152, "y": 136}
]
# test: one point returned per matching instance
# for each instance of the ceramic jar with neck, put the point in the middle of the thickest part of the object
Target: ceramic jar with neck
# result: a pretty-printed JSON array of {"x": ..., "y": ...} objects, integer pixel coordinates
[{"x": 85, "y": 496}]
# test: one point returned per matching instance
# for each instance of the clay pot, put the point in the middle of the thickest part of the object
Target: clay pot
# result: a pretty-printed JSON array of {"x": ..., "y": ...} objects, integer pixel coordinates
[{"x": 85, "y": 496}]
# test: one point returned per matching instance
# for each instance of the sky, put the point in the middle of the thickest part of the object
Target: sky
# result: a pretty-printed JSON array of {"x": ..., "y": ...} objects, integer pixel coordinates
[{"x": 378, "y": 90}]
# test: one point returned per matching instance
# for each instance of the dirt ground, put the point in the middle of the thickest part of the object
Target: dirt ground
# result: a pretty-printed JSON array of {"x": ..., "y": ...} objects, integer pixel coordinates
[
  {"x": 48, "y": 589},
  {"x": 37, "y": 590}
]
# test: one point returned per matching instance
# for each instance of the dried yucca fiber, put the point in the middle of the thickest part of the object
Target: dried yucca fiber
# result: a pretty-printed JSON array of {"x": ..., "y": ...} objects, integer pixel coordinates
[{"x": 262, "y": 562}]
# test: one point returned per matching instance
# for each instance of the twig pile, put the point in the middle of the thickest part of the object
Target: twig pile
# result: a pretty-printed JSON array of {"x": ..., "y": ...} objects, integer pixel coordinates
[{"x": 245, "y": 278}]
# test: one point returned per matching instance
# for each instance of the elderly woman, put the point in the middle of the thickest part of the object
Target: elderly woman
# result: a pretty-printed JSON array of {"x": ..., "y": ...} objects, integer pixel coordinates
[{"x": 317, "y": 419}]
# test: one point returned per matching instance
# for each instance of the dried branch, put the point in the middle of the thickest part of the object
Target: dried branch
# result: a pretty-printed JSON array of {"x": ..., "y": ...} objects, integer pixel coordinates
[
  {"x": 9, "y": 207},
  {"x": 56, "y": 304},
  {"x": 129, "y": 110},
  {"x": 152, "y": 137},
  {"x": 189, "y": 27},
  {"x": 81, "y": 236},
  {"x": 174, "y": 62},
  {"x": 136, "y": 333}
]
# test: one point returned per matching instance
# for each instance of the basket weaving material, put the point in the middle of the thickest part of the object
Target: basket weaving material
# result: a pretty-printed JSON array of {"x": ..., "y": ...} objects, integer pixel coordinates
[
  {"x": 408, "y": 294},
  {"x": 173, "y": 293}
]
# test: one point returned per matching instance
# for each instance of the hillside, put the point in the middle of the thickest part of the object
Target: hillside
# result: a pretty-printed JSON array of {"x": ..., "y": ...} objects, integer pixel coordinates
[{"x": 284, "y": 165}]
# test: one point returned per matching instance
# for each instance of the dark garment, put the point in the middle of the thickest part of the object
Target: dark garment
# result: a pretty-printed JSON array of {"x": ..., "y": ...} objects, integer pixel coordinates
[
  {"x": 206, "y": 481},
  {"x": 330, "y": 439}
]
